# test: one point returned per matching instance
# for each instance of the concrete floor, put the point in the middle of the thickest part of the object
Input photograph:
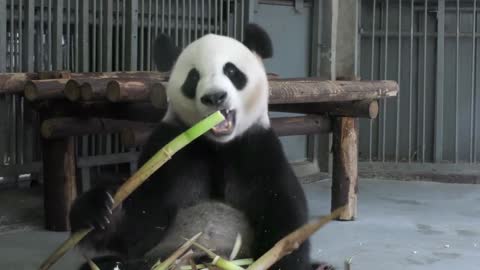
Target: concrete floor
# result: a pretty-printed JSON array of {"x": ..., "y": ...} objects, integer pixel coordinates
[{"x": 401, "y": 225}]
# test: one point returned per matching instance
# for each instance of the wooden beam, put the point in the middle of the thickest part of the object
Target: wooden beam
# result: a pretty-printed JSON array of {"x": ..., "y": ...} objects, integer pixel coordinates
[
  {"x": 311, "y": 91},
  {"x": 361, "y": 108},
  {"x": 68, "y": 126},
  {"x": 315, "y": 90},
  {"x": 283, "y": 126},
  {"x": 60, "y": 182},
  {"x": 119, "y": 90},
  {"x": 345, "y": 167}
]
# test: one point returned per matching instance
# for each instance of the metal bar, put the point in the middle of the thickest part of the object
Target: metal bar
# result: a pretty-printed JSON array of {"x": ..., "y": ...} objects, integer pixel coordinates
[
  {"x": 424, "y": 78},
  {"x": 221, "y": 17},
  {"x": 370, "y": 133},
  {"x": 203, "y": 17},
  {"x": 28, "y": 35},
  {"x": 68, "y": 38},
  {"x": 142, "y": 34},
  {"x": 163, "y": 16},
  {"x": 383, "y": 116},
  {"x": 20, "y": 38},
  {"x": 76, "y": 34},
  {"x": 94, "y": 45},
  {"x": 149, "y": 36},
  {"x": 14, "y": 139},
  {"x": 3, "y": 35},
  {"x": 84, "y": 38},
  {"x": 117, "y": 36},
  {"x": 176, "y": 23},
  {"x": 216, "y": 16},
  {"x": 124, "y": 40},
  {"x": 209, "y": 6},
  {"x": 457, "y": 47},
  {"x": 57, "y": 56},
  {"x": 189, "y": 21},
  {"x": 196, "y": 19},
  {"x": 156, "y": 17},
  {"x": 100, "y": 58},
  {"x": 473, "y": 109},
  {"x": 12, "y": 36},
  {"x": 242, "y": 18},
  {"x": 228, "y": 18},
  {"x": 107, "y": 35},
  {"x": 169, "y": 19},
  {"x": 21, "y": 131},
  {"x": 235, "y": 19},
  {"x": 132, "y": 32},
  {"x": 399, "y": 76},
  {"x": 410, "y": 90},
  {"x": 49, "y": 36},
  {"x": 184, "y": 23},
  {"x": 439, "y": 94}
]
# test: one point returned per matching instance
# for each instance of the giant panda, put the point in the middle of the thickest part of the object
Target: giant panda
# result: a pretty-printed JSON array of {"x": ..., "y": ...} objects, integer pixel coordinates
[{"x": 233, "y": 181}]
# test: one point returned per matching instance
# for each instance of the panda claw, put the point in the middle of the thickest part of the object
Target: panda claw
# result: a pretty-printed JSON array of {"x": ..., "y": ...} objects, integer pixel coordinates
[{"x": 110, "y": 197}]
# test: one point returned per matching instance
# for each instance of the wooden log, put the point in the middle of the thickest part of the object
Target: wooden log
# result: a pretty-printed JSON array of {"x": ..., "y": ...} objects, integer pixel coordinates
[
  {"x": 358, "y": 108},
  {"x": 119, "y": 90},
  {"x": 94, "y": 89},
  {"x": 14, "y": 83},
  {"x": 45, "y": 89},
  {"x": 283, "y": 126},
  {"x": 68, "y": 126},
  {"x": 345, "y": 170},
  {"x": 72, "y": 89},
  {"x": 312, "y": 91},
  {"x": 60, "y": 182}
]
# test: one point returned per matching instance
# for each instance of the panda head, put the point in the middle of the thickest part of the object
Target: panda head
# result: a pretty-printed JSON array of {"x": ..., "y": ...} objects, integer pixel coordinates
[{"x": 218, "y": 73}]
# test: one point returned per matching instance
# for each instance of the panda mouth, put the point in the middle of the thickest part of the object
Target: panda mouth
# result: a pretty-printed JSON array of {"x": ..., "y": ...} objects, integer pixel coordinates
[{"x": 227, "y": 125}]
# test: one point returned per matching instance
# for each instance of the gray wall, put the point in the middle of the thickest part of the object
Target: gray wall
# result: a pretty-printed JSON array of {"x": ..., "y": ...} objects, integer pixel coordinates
[{"x": 291, "y": 36}]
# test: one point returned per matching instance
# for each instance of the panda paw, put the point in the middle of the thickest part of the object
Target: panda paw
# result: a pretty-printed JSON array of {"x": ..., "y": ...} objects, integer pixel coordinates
[{"x": 92, "y": 210}]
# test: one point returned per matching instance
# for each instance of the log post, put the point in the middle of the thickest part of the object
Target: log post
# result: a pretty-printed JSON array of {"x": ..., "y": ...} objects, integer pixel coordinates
[
  {"x": 60, "y": 181},
  {"x": 344, "y": 171}
]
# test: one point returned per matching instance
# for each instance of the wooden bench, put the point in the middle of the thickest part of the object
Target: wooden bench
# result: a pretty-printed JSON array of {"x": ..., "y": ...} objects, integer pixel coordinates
[{"x": 73, "y": 104}]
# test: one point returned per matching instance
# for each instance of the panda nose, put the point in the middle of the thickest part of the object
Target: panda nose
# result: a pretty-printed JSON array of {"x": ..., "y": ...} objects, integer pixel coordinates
[{"x": 214, "y": 99}]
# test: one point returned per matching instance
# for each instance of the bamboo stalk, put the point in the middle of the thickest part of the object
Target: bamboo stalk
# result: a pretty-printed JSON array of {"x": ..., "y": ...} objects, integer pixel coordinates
[
  {"x": 292, "y": 241},
  {"x": 162, "y": 156}
]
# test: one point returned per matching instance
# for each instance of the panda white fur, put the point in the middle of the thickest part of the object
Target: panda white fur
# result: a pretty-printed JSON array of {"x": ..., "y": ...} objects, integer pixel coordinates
[{"x": 235, "y": 179}]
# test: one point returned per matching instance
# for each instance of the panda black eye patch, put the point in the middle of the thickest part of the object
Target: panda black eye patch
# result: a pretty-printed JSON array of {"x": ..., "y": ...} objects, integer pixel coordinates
[
  {"x": 238, "y": 78},
  {"x": 190, "y": 85}
]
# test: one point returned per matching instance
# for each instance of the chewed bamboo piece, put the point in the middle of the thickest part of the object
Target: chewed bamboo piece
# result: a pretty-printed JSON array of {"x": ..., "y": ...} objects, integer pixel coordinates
[
  {"x": 292, "y": 241},
  {"x": 160, "y": 158}
]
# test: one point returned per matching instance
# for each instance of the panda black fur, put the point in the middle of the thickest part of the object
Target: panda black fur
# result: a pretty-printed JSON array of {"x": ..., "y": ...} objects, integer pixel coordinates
[{"x": 239, "y": 169}]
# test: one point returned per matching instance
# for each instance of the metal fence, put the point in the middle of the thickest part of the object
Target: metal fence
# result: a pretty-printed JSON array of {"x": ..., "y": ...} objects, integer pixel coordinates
[
  {"x": 431, "y": 49},
  {"x": 90, "y": 35}
]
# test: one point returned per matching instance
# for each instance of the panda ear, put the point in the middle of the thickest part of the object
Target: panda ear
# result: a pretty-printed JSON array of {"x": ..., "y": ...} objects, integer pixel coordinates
[
  {"x": 257, "y": 40},
  {"x": 165, "y": 53}
]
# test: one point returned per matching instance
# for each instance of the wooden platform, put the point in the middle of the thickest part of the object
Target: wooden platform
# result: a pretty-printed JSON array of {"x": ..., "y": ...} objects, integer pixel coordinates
[{"x": 73, "y": 104}]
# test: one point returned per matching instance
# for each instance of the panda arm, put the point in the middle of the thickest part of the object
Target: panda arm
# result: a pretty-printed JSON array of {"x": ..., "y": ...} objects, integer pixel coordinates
[
  {"x": 279, "y": 204},
  {"x": 179, "y": 182}
]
